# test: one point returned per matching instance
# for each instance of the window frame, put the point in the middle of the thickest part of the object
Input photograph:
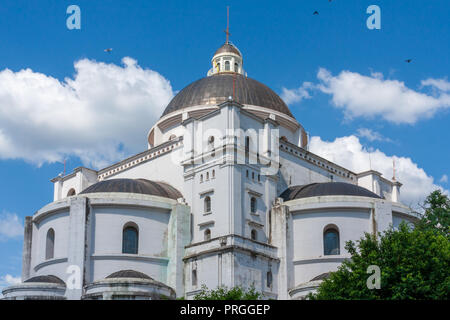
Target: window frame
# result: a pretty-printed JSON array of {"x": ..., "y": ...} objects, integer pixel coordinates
[
  {"x": 50, "y": 244},
  {"x": 253, "y": 205},
  {"x": 336, "y": 249},
  {"x": 207, "y": 234},
  {"x": 130, "y": 226},
  {"x": 254, "y": 235},
  {"x": 207, "y": 204}
]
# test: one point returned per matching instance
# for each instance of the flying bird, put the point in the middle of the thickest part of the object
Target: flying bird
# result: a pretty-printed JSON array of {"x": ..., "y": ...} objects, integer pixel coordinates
[
  {"x": 408, "y": 60},
  {"x": 315, "y": 12},
  {"x": 108, "y": 50}
]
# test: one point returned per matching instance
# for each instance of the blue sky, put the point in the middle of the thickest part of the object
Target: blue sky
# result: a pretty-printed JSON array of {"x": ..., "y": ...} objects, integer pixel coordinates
[{"x": 170, "y": 44}]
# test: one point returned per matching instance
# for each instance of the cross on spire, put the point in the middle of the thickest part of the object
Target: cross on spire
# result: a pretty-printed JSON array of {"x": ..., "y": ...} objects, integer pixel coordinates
[{"x": 227, "y": 31}]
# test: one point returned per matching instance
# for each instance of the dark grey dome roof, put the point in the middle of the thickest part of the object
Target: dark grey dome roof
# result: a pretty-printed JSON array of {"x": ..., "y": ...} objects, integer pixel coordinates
[
  {"x": 128, "y": 274},
  {"x": 321, "y": 276},
  {"x": 228, "y": 47},
  {"x": 326, "y": 189},
  {"x": 217, "y": 88},
  {"x": 46, "y": 279},
  {"x": 142, "y": 186}
]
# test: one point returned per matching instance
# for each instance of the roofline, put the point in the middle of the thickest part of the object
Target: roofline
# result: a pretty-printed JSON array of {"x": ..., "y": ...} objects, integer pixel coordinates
[
  {"x": 307, "y": 152},
  {"x": 72, "y": 174}
]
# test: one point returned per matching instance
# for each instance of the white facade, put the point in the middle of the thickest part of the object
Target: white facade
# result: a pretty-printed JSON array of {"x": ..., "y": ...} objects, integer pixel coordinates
[{"x": 230, "y": 227}]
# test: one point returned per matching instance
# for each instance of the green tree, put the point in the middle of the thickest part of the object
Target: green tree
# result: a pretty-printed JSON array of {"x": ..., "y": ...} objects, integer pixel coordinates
[
  {"x": 437, "y": 213},
  {"x": 225, "y": 293},
  {"x": 414, "y": 261}
]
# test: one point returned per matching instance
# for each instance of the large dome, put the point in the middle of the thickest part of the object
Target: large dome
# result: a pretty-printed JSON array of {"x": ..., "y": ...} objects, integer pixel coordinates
[{"x": 217, "y": 88}]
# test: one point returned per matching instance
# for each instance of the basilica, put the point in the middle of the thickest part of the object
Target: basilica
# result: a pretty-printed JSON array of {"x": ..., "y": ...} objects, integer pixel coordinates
[{"x": 226, "y": 193}]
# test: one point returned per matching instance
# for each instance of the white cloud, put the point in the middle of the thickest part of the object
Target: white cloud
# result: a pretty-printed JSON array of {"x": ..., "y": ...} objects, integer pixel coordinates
[
  {"x": 372, "y": 96},
  {"x": 8, "y": 280},
  {"x": 99, "y": 115},
  {"x": 444, "y": 179},
  {"x": 371, "y": 135},
  {"x": 350, "y": 153},
  {"x": 440, "y": 84},
  {"x": 291, "y": 96},
  {"x": 10, "y": 226}
]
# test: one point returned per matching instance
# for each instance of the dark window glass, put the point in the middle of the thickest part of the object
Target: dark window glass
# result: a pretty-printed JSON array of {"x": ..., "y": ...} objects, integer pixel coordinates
[
  {"x": 50, "y": 244},
  {"x": 253, "y": 205},
  {"x": 207, "y": 204},
  {"x": 254, "y": 235},
  {"x": 130, "y": 240},
  {"x": 207, "y": 234},
  {"x": 331, "y": 242},
  {"x": 269, "y": 279},
  {"x": 194, "y": 277}
]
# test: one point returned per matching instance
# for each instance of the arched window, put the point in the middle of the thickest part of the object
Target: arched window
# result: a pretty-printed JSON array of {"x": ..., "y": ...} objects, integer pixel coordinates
[
  {"x": 201, "y": 178},
  {"x": 214, "y": 173},
  {"x": 130, "y": 239},
  {"x": 71, "y": 192},
  {"x": 207, "y": 204},
  {"x": 227, "y": 65},
  {"x": 172, "y": 137},
  {"x": 50, "y": 244},
  {"x": 211, "y": 142},
  {"x": 236, "y": 67},
  {"x": 207, "y": 176},
  {"x": 254, "y": 235},
  {"x": 331, "y": 241},
  {"x": 247, "y": 144},
  {"x": 194, "y": 277},
  {"x": 253, "y": 205},
  {"x": 269, "y": 279},
  {"x": 207, "y": 234}
]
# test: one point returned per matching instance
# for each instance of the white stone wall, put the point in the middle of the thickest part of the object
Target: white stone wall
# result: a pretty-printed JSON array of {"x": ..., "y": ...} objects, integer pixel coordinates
[
  {"x": 59, "y": 222},
  {"x": 309, "y": 259}
]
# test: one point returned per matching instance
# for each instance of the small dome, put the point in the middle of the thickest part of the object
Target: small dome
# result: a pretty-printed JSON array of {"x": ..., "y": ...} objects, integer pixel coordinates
[
  {"x": 45, "y": 279},
  {"x": 128, "y": 274},
  {"x": 141, "y": 186},
  {"x": 326, "y": 189},
  {"x": 228, "y": 48},
  {"x": 321, "y": 276},
  {"x": 217, "y": 88}
]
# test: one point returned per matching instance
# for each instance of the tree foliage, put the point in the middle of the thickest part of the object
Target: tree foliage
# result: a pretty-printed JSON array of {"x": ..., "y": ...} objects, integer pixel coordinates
[
  {"x": 414, "y": 261},
  {"x": 225, "y": 293}
]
